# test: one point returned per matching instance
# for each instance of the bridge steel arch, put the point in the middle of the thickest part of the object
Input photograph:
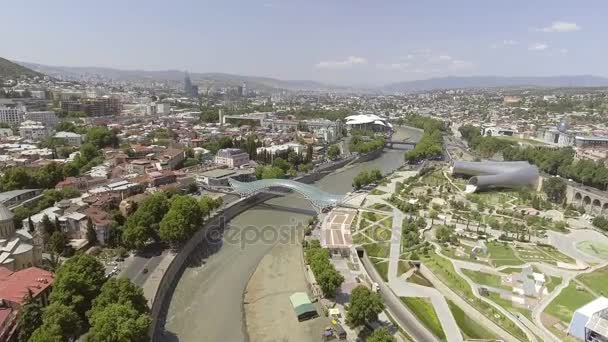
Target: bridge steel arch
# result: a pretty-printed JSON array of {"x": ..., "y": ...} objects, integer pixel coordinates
[{"x": 317, "y": 197}]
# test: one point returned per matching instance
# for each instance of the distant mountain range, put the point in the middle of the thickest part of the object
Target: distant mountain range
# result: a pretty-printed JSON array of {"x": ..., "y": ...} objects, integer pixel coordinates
[
  {"x": 496, "y": 81},
  {"x": 267, "y": 83},
  {"x": 205, "y": 79},
  {"x": 10, "y": 70}
]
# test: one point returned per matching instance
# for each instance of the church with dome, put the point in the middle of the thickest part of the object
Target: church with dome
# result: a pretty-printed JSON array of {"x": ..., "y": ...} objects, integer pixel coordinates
[{"x": 18, "y": 249}]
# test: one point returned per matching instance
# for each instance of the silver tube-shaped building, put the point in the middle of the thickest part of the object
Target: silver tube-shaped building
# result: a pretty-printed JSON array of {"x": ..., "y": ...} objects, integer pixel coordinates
[{"x": 489, "y": 174}]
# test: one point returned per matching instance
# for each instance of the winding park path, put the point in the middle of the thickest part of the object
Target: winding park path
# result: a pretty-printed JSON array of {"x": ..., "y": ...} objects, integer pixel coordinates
[{"x": 406, "y": 289}]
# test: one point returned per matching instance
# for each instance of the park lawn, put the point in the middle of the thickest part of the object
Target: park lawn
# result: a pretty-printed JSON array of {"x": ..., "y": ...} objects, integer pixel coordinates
[
  {"x": 419, "y": 279},
  {"x": 509, "y": 306},
  {"x": 501, "y": 255},
  {"x": 377, "y": 192},
  {"x": 382, "y": 207},
  {"x": 483, "y": 278},
  {"x": 596, "y": 280},
  {"x": 382, "y": 268},
  {"x": 468, "y": 326},
  {"x": 570, "y": 299},
  {"x": 378, "y": 250},
  {"x": 511, "y": 270},
  {"x": 444, "y": 269},
  {"x": 372, "y": 217},
  {"x": 598, "y": 249},
  {"x": 403, "y": 267},
  {"x": 361, "y": 239},
  {"x": 555, "y": 254},
  {"x": 552, "y": 282},
  {"x": 423, "y": 309},
  {"x": 378, "y": 233},
  {"x": 525, "y": 141},
  {"x": 450, "y": 252}
]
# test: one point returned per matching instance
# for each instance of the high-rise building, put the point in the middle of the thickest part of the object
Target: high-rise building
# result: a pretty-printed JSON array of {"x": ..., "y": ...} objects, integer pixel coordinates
[
  {"x": 190, "y": 89},
  {"x": 244, "y": 90},
  {"x": 47, "y": 118},
  {"x": 12, "y": 115}
]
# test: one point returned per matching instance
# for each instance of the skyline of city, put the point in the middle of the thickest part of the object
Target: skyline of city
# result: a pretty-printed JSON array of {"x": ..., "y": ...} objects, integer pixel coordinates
[{"x": 339, "y": 43}]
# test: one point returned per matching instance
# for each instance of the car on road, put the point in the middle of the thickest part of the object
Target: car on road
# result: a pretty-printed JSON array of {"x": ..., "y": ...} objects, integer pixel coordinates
[{"x": 145, "y": 270}]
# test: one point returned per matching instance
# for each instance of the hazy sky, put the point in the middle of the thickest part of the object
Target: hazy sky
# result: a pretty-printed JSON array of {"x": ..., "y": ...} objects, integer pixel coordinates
[{"x": 337, "y": 41}]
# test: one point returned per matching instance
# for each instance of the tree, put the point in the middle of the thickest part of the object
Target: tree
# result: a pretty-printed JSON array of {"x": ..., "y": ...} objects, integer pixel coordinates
[
  {"x": 78, "y": 282},
  {"x": 381, "y": 335},
  {"x": 433, "y": 215},
  {"x": 30, "y": 318},
  {"x": 120, "y": 291},
  {"x": 118, "y": 323},
  {"x": 57, "y": 242},
  {"x": 555, "y": 188},
  {"x": 60, "y": 323},
  {"x": 333, "y": 152},
  {"x": 143, "y": 224},
  {"x": 329, "y": 280},
  {"x": 91, "y": 233},
  {"x": 181, "y": 221},
  {"x": 364, "y": 306}
]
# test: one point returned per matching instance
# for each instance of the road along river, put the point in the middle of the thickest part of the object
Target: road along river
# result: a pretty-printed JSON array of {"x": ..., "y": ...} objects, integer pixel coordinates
[{"x": 207, "y": 304}]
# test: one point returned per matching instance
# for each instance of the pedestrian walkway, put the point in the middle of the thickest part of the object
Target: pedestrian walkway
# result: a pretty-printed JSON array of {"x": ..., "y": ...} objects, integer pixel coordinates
[{"x": 405, "y": 289}]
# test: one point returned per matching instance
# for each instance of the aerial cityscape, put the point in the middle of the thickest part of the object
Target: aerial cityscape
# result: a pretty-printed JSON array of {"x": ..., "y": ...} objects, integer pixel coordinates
[{"x": 319, "y": 171}]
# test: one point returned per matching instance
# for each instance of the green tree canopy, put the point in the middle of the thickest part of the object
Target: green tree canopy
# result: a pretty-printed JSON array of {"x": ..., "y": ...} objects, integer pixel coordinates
[
  {"x": 181, "y": 221},
  {"x": 120, "y": 291},
  {"x": 364, "y": 306},
  {"x": 61, "y": 323},
  {"x": 380, "y": 335},
  {"x": 119, "y": 323}
]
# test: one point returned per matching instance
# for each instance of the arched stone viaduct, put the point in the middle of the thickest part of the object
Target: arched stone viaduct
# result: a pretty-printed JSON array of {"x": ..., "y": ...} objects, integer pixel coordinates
[{"x": 595, "y": 202}]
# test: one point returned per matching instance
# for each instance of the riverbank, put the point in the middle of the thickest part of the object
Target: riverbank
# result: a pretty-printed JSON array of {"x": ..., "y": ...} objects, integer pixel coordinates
[
  {"x": 208, "y": 297},
  {"x": 268, "y": 312}
]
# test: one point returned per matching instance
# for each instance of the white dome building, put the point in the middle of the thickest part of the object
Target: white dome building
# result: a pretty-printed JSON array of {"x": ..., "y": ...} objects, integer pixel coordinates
[{"x": 368, "y": 122}]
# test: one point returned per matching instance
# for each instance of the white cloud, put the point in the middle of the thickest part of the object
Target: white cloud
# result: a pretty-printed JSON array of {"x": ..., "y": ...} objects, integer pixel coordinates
[
  {"x": 538, "y": 47},
  {"x": 425, "y": 61},
  {"x": 561, "y": 26},
  {"x": 350, "y": 62},
  {"x": 563, "y": 51},
  {"x": 504, "y": 43},
  {"x": 393, "y": 66}
]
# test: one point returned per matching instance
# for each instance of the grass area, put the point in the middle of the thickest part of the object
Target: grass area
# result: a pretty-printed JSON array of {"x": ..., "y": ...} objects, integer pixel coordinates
[
  {"x": 544, "y": 254},
  {"x": 377, "y": 192},
  {"x": 382, "y": 268},
  {"x": 596, "y": 280},
  {"x": 552, "y": 282},
  {"x": 450, "y": 252},
  {"x": 361, "y": 239},
  {"x": 510, "y": 270},
  {"x": 502, "y": 254},
  {"x": 469, "y": 328},
  {"x": 570, "y": 299},
  {"x": 444, "y": 269},
  {"x": 378, "y": 250},
  {"x": 419, "y": 279},
  {"x": 599, "y": 250},
  {"x": 403, "y": 267},
  {"x": 486, "y": 279},
  {"x": 510, "y": 306},
  {"x": 423, "y": 309},
  {"x": 372, "y": 217},
  {"x": 381, "y": 206}
]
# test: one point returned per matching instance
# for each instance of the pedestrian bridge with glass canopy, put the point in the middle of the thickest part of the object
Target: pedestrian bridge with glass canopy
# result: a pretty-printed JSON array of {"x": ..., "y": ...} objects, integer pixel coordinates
[{"x": 318, "y": 198}]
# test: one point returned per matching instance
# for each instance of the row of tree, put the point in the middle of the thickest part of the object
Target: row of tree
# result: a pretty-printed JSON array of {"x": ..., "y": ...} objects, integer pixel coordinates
[
  {"x": 365, "y": 144},
  {"x": 172, "y": 220},
  {"x": 82, "y": 300},
  {"x": 562, "y": 162},
  {"x": 328, "y": 278},
  {"x": 367, "y": 177},
  {"x": 486, "y": 146},
  {"x": 429, "y": 146}
]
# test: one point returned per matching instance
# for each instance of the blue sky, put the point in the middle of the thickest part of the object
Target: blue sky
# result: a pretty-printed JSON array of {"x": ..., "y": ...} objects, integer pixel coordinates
[{"x": 338, "y": 41}]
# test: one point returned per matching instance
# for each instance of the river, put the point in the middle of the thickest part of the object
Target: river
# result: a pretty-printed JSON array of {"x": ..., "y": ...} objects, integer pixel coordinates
[{"x": 207, "y": 304}]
